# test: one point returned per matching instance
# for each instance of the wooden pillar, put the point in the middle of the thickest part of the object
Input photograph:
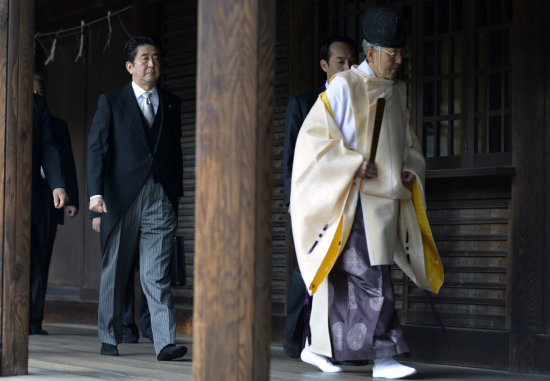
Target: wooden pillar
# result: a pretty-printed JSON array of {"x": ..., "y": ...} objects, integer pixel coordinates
[
  {"x": 529, "y": 195},
  {"x": 235, "y": 108},
  {"x": 16, "y": 66}
]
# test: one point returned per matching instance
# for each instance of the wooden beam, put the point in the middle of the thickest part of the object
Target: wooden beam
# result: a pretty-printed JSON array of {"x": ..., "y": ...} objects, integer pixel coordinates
[
  {"x": 16, "y": 66},
  {"x": 235, "y": 108},
  {"x": 528, "y": 191}
]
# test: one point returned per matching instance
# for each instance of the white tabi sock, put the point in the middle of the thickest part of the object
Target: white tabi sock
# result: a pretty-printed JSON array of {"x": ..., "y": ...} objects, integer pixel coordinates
[
  {"x": 319, "y": 361},
  {"x": 387, "y": 367}
]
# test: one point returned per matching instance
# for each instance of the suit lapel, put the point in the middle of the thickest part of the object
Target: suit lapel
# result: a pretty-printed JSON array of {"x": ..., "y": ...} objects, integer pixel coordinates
[{"x": 136, "y": 121}]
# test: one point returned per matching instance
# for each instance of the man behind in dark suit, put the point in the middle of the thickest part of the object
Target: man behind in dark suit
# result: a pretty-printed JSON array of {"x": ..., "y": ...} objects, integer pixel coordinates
[
  {"x": 46, "y": 161},
  {"x": 337, "y": 54},
  {"x": 135, "y": 173},
  {"x": 51, "y": 216}
]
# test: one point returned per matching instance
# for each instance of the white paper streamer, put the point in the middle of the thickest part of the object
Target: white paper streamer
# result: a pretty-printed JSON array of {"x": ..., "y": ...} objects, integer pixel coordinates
[
  {"x": 81, "y": 41},
  {"x": 52, "y": 50},
  {"x": 74, "y": 32},
  {"x": 108, "y": 43}
]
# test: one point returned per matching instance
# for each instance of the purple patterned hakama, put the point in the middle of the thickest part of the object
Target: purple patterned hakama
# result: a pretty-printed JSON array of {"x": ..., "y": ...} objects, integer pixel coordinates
[{"x": 362, "y": 317}]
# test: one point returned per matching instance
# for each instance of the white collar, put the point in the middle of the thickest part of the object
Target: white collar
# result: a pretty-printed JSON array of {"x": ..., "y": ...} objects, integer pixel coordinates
[
  {"x": 365, "y": 68},
  {"x": 138, "y": 91}
]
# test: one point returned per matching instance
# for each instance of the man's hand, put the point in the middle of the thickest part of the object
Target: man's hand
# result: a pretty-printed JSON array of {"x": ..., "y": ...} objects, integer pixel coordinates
[
  {"x": 98, "y": 205},
  {"x": 407, "y": 178},
  {"x": 60, "y": 198},
  {"x": 71, "y": 211},
  {"x": 367, "y": 170},
  {"x": 96, "y": 223}
]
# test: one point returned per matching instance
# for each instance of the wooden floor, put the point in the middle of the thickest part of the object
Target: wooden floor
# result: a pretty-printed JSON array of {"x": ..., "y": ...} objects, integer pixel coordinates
[{"x": 71, "y": 352}]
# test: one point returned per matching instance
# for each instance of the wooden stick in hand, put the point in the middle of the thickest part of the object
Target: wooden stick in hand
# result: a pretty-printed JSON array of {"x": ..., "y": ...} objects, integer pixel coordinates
[{"x": 380, "y": 104}]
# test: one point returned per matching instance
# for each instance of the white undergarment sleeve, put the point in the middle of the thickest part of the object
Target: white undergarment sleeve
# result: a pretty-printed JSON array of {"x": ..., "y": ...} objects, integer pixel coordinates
[{"x": 338, "y": 98}]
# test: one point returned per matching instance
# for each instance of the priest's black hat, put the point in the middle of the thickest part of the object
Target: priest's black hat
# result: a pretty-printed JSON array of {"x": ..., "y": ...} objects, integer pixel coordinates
[{"x": 384, "y": 25}]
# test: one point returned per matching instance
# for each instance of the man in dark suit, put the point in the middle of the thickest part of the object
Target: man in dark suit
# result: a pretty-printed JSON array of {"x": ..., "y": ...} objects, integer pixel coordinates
[
  {"x": 337, "y": 54},
  {"x": 135, "y": 173},
  {"x": 47, "y": 180},
  {"x": 51, "y": 216}
]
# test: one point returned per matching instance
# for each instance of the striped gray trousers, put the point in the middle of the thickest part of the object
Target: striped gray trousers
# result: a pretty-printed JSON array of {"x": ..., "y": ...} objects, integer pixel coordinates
[{"x": 149, "y": 225}]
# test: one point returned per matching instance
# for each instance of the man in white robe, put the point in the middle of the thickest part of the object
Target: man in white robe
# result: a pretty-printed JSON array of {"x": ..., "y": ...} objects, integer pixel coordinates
[{"x": 353, "y": 218}]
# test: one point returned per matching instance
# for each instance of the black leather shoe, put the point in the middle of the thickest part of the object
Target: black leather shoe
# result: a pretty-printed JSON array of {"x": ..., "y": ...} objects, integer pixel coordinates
[
  {"x": 108, "y": 349},
  {"x": 171, "y": 352},
  {"x": 37, "y": 331}
]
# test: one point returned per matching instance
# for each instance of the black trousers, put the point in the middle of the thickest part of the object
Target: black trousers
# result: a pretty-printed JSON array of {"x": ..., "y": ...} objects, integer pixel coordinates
[
  {"x": 42, "y": 239},
  {"x": 294, "y": 323}
]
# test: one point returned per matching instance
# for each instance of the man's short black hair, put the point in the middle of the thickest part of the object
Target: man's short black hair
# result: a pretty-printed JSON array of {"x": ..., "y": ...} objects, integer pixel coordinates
[
  {"x": 131, "y": 47},
  {"x": 324, "y": 53}
]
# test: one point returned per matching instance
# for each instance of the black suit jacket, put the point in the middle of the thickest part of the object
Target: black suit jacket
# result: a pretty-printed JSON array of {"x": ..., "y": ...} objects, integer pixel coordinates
[
  {"x": 296, "y": 111},
  {"x": 44, "y": 154},
  {"x": 62, "y": 138},
  {"x": 120, "y": 158}
]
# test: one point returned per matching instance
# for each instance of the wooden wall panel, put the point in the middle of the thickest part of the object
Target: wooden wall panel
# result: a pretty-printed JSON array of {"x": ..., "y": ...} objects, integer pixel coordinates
[
  {"x": 472, "y": 238},
  {"x": 470, "y": 223},
  {"x": 280, "y": 259}
]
